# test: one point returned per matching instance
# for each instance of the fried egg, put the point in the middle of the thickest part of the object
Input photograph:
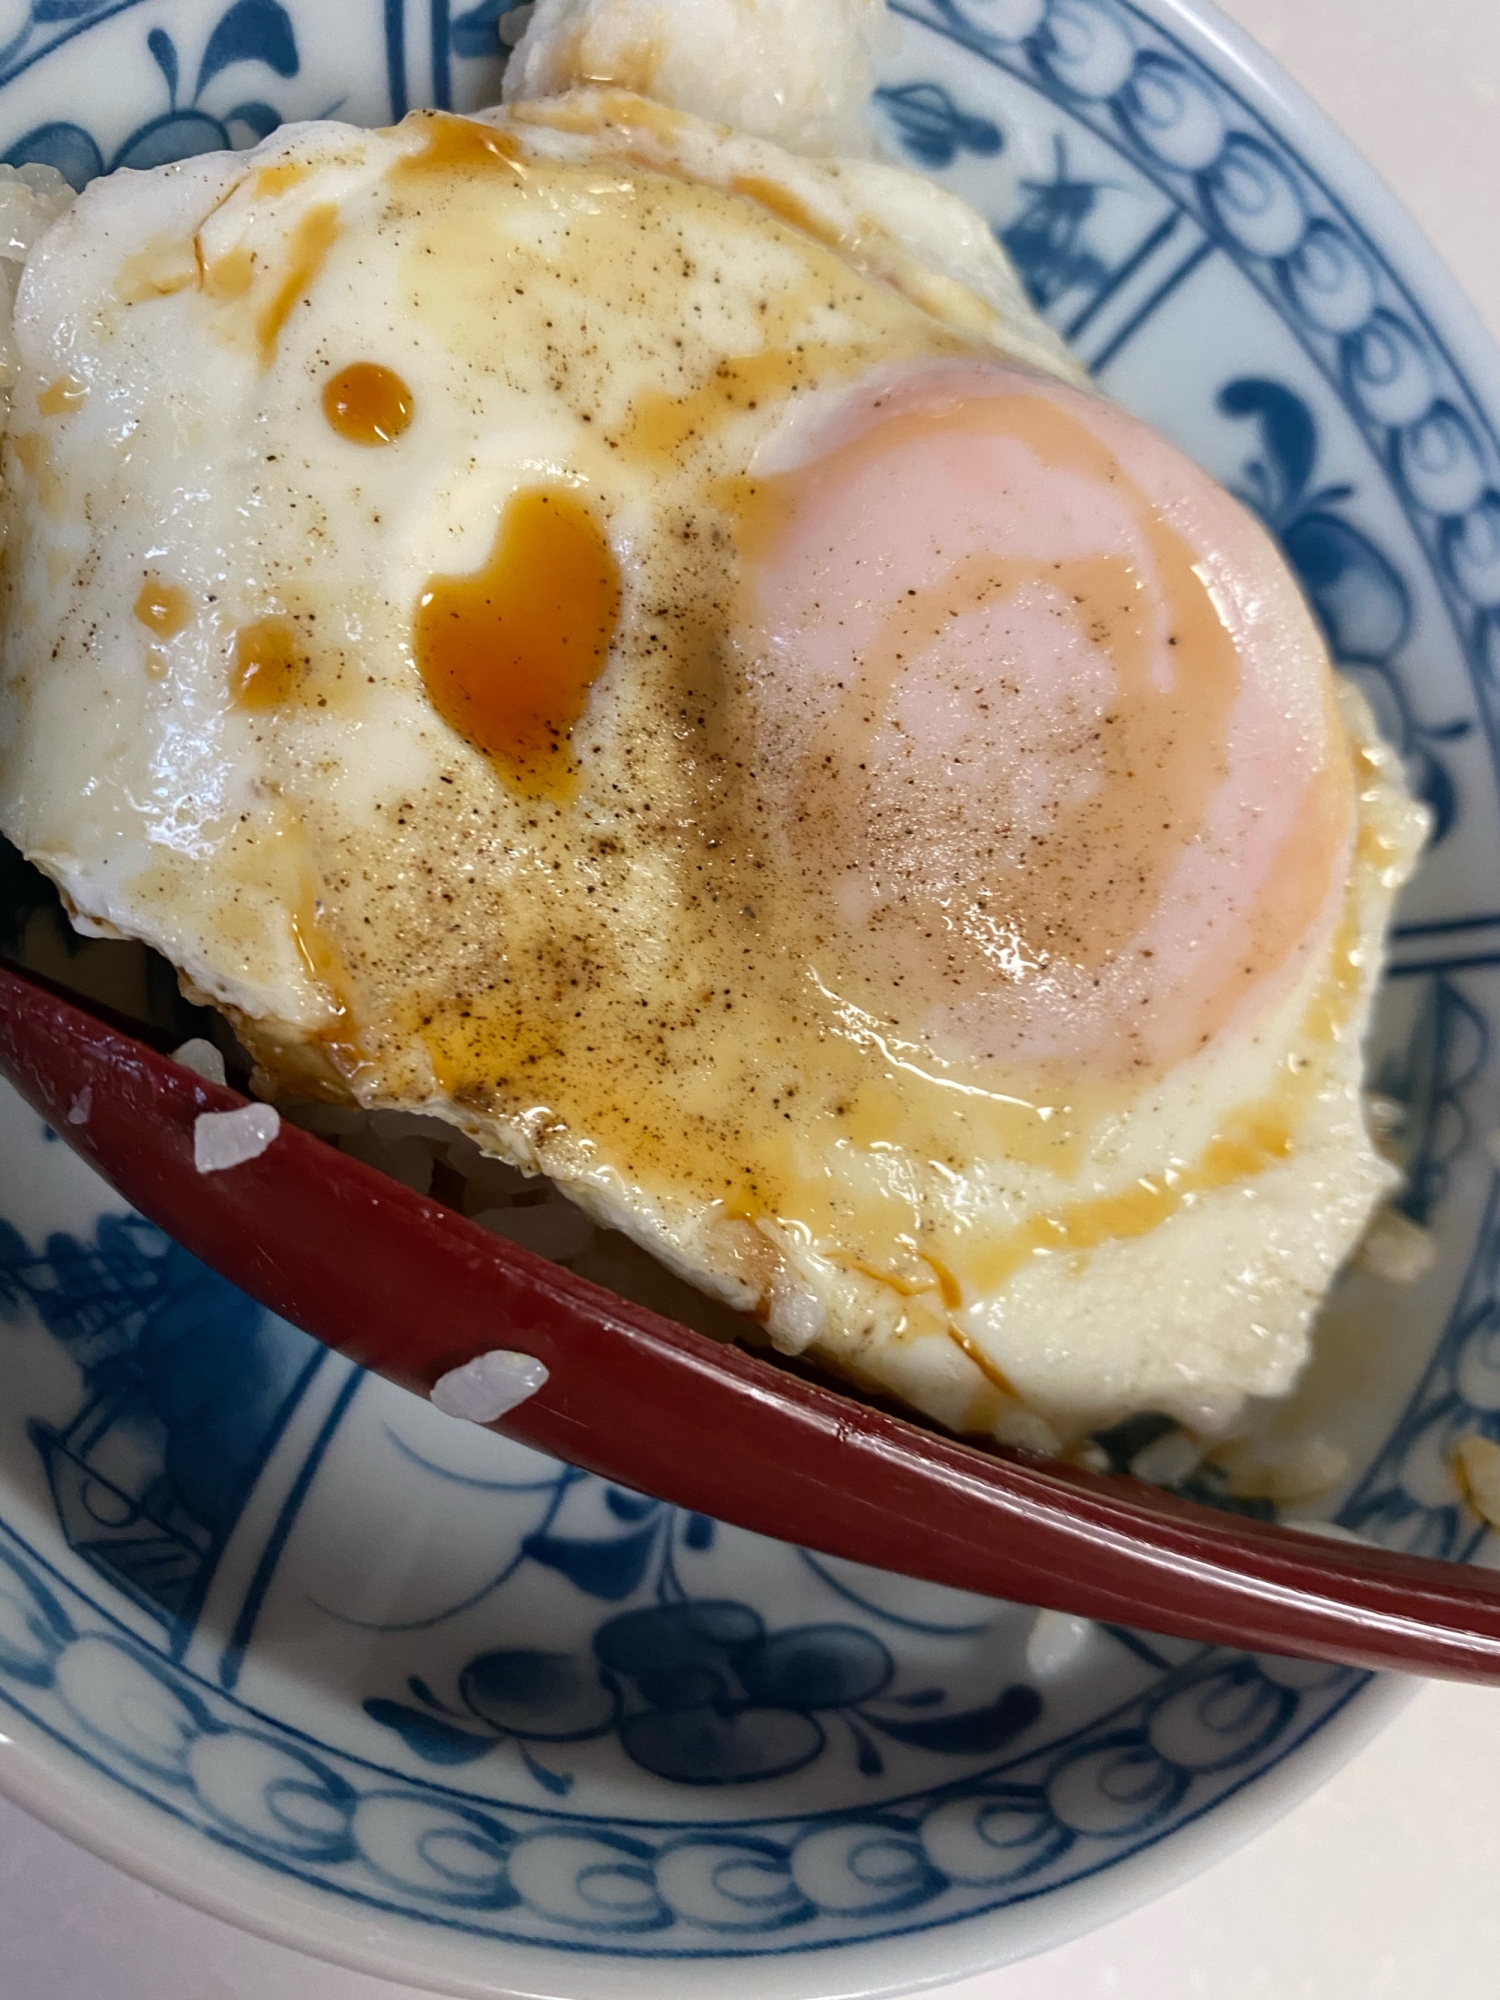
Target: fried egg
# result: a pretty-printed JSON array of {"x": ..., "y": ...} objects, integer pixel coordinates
[{"x": 642, "y": 645}]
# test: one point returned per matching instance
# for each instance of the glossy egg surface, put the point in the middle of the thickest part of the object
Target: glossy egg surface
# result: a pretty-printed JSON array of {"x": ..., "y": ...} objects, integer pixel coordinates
[{"x": 583, "y": 623}]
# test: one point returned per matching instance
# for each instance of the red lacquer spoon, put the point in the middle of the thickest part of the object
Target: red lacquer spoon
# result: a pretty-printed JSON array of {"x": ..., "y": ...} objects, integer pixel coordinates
[{"x": 413, "y": 1290}]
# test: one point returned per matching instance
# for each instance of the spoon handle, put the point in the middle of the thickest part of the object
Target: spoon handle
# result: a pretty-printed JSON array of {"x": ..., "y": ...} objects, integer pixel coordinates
[{"x": 411, "y": 1289}]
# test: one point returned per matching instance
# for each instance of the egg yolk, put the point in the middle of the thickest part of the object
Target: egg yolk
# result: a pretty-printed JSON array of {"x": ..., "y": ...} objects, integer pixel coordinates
[{"x": 1033, "y": 707}]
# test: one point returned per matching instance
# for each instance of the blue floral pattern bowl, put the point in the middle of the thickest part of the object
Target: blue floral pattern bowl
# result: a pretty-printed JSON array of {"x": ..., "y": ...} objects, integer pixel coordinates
[{"x": 293, "y": 1644}]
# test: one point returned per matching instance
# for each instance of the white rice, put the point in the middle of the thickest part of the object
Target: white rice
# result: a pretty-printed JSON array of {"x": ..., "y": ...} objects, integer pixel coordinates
[
  {"x": 1168, "y": 1460},
  {"x": 1056, "y": 1643},
  {"x": 203, "y": 1059},
  {"x": 1476, "y": 1466},
  {"x": 1397, "y": 1249},
  {"x": 435, "y": 1159},
  {"x": 489, "y": 1385},
  {"x": 1303, "y": 1470},
  {"x": 786, "y": 70},
  {"x": 224, "y": 1139}
]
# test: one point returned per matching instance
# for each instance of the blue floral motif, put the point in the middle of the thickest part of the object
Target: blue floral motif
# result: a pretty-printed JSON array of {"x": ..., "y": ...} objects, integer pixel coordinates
[
  {"x": 1407, "y": 1498},
  {"x": 1447, "y": 1053},
  {"x": 701, "y": 1693},
  {"x": 1049, "y": 1816},
  {"x": 476, "y": 31},
  {"x": 697, "y": 1691},
  {"x": 1044, "y": 241},
  {"x": 149, "y": 1475},
  {"x": 252, "y": 31},
  {"x": 1360, "y": 599},
  {"x": 933, "y": 129},
  {"x": 44, "y": 25}
]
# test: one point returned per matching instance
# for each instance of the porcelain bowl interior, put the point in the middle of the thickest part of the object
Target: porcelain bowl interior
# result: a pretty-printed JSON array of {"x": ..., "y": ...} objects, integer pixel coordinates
[{"x": 289, "y": 1642}]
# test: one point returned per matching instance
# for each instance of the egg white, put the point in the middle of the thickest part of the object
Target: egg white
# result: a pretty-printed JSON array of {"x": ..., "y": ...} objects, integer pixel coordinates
[{"x": 349, "y": 878}]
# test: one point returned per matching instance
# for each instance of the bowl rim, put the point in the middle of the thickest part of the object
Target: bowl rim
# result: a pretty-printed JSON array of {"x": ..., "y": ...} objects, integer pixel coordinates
[{"x": 178, "y": 1861}]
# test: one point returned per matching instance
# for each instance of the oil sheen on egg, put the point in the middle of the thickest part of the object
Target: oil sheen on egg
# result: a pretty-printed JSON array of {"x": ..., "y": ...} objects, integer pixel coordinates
[{"x": 573, "y": 623}]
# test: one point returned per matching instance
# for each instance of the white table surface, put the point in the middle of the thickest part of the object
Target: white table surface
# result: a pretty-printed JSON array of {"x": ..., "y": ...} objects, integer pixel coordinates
[{"x": 1386, "y": 1884}]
